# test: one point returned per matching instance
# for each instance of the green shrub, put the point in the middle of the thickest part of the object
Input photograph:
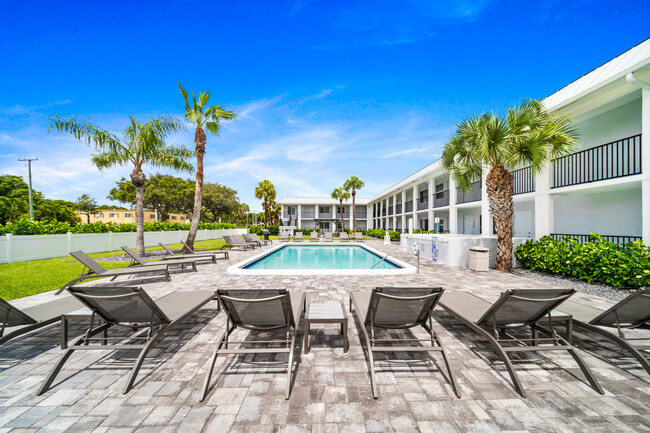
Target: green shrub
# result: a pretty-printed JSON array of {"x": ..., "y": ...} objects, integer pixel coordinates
[
  {"x": 622, "y": 266},
  {"x": 380, "y": 233}
]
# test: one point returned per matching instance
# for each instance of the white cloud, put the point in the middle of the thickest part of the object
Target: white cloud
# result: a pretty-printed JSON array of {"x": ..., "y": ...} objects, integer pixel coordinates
[{"x": 405, "y": 152}]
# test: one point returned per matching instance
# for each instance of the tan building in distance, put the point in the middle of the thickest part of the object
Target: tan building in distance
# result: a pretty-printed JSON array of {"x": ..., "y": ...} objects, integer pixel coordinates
[{"x": 128, "y": 216}]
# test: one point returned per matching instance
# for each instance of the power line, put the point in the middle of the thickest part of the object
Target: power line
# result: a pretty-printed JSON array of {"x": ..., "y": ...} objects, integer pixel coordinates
[{"x": 31, "y": 203}]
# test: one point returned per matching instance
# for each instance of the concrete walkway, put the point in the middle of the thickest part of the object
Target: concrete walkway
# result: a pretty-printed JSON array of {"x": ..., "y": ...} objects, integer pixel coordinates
[{"x": 332, "y": 389}]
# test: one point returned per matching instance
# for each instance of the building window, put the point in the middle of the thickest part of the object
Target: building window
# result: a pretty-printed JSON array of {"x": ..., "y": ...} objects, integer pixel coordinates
[
  {"x": 173, "y": 217},
  {"x": 113, "y": 215},
  {"x": 152, "y": 216},
  {"x": 127, "y": 215},
  {"x": 323, "y": 209},
  {"x": 99, "y": 215},
  {"x": 424, "y": 196},
  {"x": 182, "y": 218}
]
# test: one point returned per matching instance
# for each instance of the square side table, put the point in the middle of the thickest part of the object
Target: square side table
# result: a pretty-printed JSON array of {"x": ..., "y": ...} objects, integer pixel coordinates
[{"x": 326, "y": 313}]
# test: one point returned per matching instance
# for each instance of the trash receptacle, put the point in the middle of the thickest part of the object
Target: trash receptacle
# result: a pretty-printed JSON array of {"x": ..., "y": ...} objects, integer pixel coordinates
[
  {"x": 266, "y": 234},
  {"x": 479, "y": 259}
]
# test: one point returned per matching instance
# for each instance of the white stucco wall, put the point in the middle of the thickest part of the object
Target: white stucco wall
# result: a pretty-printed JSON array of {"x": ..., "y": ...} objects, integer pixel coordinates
[
  {"x": 612, "y": 212},
  {"x": 469, "y": 221},
  {"x": 612, "y": 125}
]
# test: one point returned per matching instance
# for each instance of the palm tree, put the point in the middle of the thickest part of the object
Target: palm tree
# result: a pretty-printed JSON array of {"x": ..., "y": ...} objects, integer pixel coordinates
[
  {"x": 341, "y": 194},
  {"x": 527, "y": 135},
  {"x": 265, "y": 191},
  {"x": 353, "y": 184},
  {"x": 142, "y": 143},
  {"x": 211, "y": 119}
]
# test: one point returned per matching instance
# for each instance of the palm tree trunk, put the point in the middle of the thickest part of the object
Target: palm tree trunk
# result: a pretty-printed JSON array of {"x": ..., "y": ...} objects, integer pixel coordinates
[
  {"x": 137, "y": 178},
  {"x": 342, "y": 222},
  {"x": 354, "y": 210},
  {"x": 199, "y": 140},
  {"x": 499, "y": 191}
]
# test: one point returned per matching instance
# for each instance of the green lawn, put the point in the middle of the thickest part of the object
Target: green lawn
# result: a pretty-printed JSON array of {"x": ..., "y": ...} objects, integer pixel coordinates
[{"x": 21, "y": 279}]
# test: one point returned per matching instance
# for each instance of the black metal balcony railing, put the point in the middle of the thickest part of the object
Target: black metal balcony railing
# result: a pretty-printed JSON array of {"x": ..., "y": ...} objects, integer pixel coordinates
[
  {"x": 423, "y": 205},
  {"x": 618, "y": 239},
  {"x": 390, "y": 210},
  {"x": 472, "y": 194},
  {"x": 608, "y": 161},
  {"x": 408, "y": 206},
  {"x": 383, "y": 212},
  {"x": 362, "y": 215},
  {"x": 398, "y": 209},
  {"x": 523, "y": 181},
  {"x": 441, "y": 198},
  {"x": 307, "y": 214},
  {"x": 325, "y": 215}
]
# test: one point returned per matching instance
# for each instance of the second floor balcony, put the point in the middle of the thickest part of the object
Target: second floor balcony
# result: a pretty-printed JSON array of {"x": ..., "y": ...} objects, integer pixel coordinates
[
  {"x": 325, "y": 215},
  {"x": 470, "y": 195},
  {"x": 608, "y": 161},
  {"x": 307, "y": 214},
  {"x": 390, "y": 210},
  {"x": 408, "y": 206},
  {"x": 523, "y": 181},
  {"x": 441, "y": 198},
  {"x": 423, "y": 205}
]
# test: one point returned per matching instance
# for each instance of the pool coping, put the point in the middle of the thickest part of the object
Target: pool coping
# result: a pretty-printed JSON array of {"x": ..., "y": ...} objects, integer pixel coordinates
[{"x": 238, "y": 268}]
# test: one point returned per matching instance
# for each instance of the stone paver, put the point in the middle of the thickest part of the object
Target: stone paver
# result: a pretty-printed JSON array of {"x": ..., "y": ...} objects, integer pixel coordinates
[{"x": 331, "y": 392}]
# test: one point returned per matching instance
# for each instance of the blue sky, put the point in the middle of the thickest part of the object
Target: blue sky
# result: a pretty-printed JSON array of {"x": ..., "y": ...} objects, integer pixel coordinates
[{"x": 323, "y": 90}]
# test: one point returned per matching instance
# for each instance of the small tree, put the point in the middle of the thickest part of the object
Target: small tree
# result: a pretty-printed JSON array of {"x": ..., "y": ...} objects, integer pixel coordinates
[
  {"x": 86, "y": 205},
  {"x": 341, "y": 194},
  {"x": 527, "y": 135},
  {"x": 353, "y": 184},
  {"x": 265, "y": 191},
  {"x": 142, "y": 143}
]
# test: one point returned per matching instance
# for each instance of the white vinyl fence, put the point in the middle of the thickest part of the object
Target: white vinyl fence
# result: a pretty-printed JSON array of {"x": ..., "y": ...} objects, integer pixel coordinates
[{"x": 34, "y": 247}]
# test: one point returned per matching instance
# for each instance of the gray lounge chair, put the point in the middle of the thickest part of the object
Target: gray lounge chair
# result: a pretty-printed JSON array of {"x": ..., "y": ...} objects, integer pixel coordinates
[
  {"x": 398, "y": 308},
  {"x": 192, "y": 252},
  {"x": 130, "y": 308},
  {"x": 284, "y": 236},
  {"x": 207, "y": 256},
  {"x": 343, "y": 236},
  {"x": 136, "y": 260},
  {"x": 95, "y": 270},
  {"x": 232, "y": 243},
  {"x": 327, "y": 237},
  {"x": 297, "y": 237},
  {"x": 240, "y": 239},
  {"x": 631, "y": 312},
  {"x": 259, "y": 310},
  {"x": 252, "y": 237},
  {"x": 515, "y": 309},
  {"x": 32, "y": 318},
  {"x": 313, "y": 237},
  {"x": 358, "y": 236}
]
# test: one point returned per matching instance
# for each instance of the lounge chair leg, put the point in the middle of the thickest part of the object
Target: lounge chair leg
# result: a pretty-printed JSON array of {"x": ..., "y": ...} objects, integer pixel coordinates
[
  {"x": 636, "y": 353},
  {"x": 206, "y": 382},
  {"x": 290, "y": 366},
  {"x": 445, "y": 358},
  {"x": 59, "y": 365},
  {"x": 143, "y": 354}
]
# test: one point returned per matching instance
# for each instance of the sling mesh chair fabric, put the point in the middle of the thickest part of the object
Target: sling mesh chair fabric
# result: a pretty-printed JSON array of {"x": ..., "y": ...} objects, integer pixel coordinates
[
  {"x": 193, "y": 252},
  {"x": 232, "y": 242},
  {"x": 29, "y": 319},
  {"x": 136, "y": 260},
  {"x": 128, "y": 308},
  {"x": 95, "y": 270},
  {"x": 313, "y": 237},
  {"x": 240, "y": 240},
  {"x": 516, "y": 309},
  {"x": 207, "y": 256},
  {"x": 284, "y": 236},
  {"x": 398, "y": 308},
  {"x": 327, "y": 237},
  {"x": 629, "y": 313},
  {"x": 259, "y": 310},
  {"x": 358, "y": 236},
  {"x": 343, "y": 236},
  {"x": 297, "y": 237}
]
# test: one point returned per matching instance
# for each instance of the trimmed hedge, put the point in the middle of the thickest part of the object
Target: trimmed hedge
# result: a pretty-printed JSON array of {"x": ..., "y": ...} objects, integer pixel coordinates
[
  {"x": 25, "y": 226},
  {"x": 622, "y": 266},
  {"x": 380, "y": 233}
]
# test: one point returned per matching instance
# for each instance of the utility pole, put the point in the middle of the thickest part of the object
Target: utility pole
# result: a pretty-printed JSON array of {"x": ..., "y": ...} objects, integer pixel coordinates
[{"x": 31, "y": 203}]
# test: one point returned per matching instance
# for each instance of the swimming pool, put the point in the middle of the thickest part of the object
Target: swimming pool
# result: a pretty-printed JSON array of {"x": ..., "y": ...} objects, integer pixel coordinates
[{"x": 321, "y": 259}]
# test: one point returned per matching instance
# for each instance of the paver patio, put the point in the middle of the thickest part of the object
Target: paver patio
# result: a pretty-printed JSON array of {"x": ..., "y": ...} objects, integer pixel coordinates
[{"x": 332, "y": 389}]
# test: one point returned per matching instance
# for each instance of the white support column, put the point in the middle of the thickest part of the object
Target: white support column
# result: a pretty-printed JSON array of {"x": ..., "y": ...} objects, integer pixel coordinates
[
  {"x": 645, "y": 165},
  {"x": 404, "y": 219},
  {"x": 430, "y": 213},
  {"x": 486, "y": 217},
  {"x": 544, "y": 213},
  {"x": 299, "y": 216},
  {"x": 453, "y": 212},
  {"x": 415, "y": 207}
]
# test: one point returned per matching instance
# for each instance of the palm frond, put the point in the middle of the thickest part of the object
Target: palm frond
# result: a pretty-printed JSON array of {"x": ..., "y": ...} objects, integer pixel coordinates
[
  {"x": 105, "y": 160},
  {"x": 85, "y": 131},
  {"x": 173, "y": 157}
]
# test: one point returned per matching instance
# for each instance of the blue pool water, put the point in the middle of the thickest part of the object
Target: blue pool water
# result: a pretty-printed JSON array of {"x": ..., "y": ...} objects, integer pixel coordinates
[{"x": 321, "y": 257}]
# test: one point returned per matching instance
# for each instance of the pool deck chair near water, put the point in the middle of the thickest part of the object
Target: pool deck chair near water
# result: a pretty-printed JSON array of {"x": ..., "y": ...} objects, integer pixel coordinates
[
  {"x": 516, "y": 309},
  {"x": 136, "y": 260},
  {"x": 198, "y": 256},
  {"x": 321, "y": 259}
]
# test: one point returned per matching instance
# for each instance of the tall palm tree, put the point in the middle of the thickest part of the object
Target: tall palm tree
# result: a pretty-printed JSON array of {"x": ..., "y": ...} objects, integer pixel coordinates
[
  {"x": 341, "y": 194},
  {"x": 265, "y": 191},
  {"x": 526, "y": 136},
  {"x": 141, "y": 144},
  {"x": 353, "y": 184},
  {"x": 211, "y": 119}
]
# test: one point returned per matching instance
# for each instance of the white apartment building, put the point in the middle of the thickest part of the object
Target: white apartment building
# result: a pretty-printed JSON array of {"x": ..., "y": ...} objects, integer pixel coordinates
[
  {"x": 604, "y": 187},
  {"x": 323, "y": 213}
]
